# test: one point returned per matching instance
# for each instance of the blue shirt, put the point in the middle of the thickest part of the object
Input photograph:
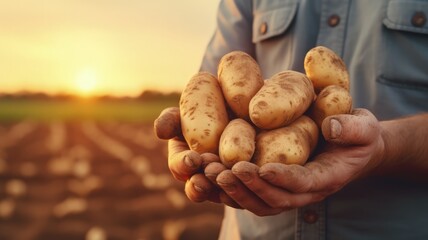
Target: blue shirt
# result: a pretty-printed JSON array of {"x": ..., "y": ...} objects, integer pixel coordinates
[{"x": 385, "y": 47}]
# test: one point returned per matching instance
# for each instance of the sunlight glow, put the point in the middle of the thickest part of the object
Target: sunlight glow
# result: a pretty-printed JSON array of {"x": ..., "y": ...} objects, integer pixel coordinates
[
  {"x": 86, "y": 82},
  {"x": 93, "y": 48}
]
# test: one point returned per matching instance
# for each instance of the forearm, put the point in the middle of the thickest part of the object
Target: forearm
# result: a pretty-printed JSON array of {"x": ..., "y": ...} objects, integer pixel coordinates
[{"x": 406, "y": 146}]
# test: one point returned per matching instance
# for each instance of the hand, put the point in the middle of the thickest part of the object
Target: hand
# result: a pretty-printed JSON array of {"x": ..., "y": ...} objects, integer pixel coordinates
[
  {"x": 186, "y": 165},
  {"x": 354, "y": 148}
]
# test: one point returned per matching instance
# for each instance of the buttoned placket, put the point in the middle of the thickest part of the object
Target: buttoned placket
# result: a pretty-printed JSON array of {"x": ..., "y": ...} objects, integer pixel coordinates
[
  {"x": 311, "y": 222},
  {"x": 311, "y": 219},
  {"x": 332, "y": 32}
]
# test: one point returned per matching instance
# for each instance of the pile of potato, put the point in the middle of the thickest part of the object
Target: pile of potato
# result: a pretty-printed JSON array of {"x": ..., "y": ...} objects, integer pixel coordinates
[{"x": 242, "y": 117}]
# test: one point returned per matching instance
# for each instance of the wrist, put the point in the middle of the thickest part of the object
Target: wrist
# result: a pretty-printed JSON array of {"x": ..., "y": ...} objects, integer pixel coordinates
[
  {"x": 405, "y": 152},
  {"x": 386, "y": 162}
]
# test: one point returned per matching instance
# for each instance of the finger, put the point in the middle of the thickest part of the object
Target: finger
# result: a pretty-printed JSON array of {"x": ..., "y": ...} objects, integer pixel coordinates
[
  {"x": 212, "y": 170},
  {"x": 218, "y": 195},
  {"x": 272, "y": 195},
  {"x": 208, "y": 158},
  {"x": 358, "y": 128},
  {"x": 294, "y": 178},
  {"x": 198, "y": 189},
  {"x": 181, "y": 161},
  {"x": 233, "y": 187},
  {"x": 321, "y": 177},
  {"x": 167, "y": 125},
  {"x": 224, "y": 198}
]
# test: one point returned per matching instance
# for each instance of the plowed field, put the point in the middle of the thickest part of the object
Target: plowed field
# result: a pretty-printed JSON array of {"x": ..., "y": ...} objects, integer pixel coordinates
[{"x": 93, "y": 181}]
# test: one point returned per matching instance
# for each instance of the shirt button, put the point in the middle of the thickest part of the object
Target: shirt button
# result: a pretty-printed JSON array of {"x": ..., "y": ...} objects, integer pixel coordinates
[
  {"x": 310, "y": 216},
  {"x": 419, "y": 19},
  {"x": 263, "y": 28},
  {"x": 333, "y": 20}
]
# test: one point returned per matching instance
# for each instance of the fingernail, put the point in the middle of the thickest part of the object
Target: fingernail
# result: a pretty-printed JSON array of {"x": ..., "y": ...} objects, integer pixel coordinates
[
  {"x": 269, "y": 176},
  {"x": 335, "y": 128},
  {"x": 188, "y": 162},
  {"x": 198, "y": 189},
  {"x": 211, "y": 175}
]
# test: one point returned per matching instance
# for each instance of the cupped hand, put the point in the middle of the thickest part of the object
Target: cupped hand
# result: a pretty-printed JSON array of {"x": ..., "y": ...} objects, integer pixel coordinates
[
  {"x": 186, "y": 165},
  {"x": 354, "y": 148}
]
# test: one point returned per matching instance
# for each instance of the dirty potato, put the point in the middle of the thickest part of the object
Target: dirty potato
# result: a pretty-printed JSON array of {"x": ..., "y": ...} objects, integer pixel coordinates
[
  {"x": 283, "y": 98},
  {"x": 203, "y": 113},
  {"x": 325, "y": 68},
  {"x": 292, "y": 144},
  {"x": 240, "y": 78},
  {"x": 332, "y": 100},
  {"x": 237, "y": 143}
]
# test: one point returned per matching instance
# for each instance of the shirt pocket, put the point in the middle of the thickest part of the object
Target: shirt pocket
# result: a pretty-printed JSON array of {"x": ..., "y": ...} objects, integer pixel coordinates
[
  {"x": 405, "y": 55},
  {"x": 272, "y": 23}
]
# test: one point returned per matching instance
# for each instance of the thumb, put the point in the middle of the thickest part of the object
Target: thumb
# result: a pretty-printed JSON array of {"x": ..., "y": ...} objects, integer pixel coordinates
[
  {"x": 168, "y": 125},
  {"x": 358, "y": 128}
]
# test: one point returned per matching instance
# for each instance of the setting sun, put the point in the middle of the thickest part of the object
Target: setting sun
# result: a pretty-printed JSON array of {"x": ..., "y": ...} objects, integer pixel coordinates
[
  {"x": 86, "y": 82},
  {"x": 102, "y": 47}
]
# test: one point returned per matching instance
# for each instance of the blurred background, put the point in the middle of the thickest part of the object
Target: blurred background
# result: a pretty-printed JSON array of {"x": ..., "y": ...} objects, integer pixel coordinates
[{"x": 81, "y": 82}]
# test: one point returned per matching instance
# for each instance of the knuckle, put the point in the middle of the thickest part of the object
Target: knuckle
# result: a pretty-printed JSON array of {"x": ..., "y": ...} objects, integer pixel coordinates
[
  {"x": 333, "y": 187},
  {"x": 304, "y": 186}
]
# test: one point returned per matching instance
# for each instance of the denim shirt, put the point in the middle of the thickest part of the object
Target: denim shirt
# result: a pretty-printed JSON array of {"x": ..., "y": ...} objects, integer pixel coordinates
[{"x": 385, "y": 47}]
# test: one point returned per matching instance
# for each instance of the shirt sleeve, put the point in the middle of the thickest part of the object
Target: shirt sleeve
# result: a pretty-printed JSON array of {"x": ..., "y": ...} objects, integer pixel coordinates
[{"x": 233, "y": 32}]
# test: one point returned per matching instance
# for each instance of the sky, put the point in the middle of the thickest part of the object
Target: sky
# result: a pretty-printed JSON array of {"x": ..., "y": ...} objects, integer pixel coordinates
[{"x": 97, "y": 47}]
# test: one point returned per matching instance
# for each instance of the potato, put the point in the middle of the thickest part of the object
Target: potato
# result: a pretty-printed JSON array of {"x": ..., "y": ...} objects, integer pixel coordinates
[
  {"x": 283, "y": 98},
  {"x": 237, "y": 143},
  {"x": 325, "y": 68},
  {"x": 331, "y": 100},
  {"x": 167, "y": 125},
  {"x": 240, "y": 79},
  {"x": 203, "y": 113},
  {"x": 292, "y": 144}
]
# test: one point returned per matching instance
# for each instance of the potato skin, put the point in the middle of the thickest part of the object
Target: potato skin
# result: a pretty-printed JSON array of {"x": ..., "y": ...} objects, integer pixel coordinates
[
  {"x": 283, "y": 98},
  {"x": 331, "y": 100},
  {"x": 203, "y": 113},
  {"x": 292, "y": 144},
  {"x": 240, "y": 78},
  {"x": 237, "y": 143},
  {"x": 325, "y": 68}
]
